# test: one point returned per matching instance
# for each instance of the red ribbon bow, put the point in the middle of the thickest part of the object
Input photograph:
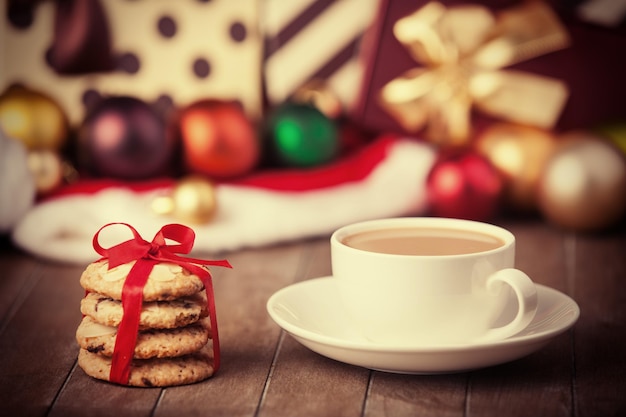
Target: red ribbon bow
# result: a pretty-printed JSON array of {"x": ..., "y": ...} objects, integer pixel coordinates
[{"x": 147, "y": 254}]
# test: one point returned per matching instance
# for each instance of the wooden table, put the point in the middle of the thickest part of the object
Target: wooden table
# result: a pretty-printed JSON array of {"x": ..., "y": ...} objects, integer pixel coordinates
[{"x": 265, "y": 372}]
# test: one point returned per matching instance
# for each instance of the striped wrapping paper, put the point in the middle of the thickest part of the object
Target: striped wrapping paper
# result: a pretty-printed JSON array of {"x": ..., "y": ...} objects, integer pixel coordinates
[{"x": 314, "y": 40}]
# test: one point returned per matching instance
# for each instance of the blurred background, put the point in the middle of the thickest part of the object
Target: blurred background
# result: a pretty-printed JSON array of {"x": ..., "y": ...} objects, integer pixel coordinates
[{"x": 305, "y": 115}]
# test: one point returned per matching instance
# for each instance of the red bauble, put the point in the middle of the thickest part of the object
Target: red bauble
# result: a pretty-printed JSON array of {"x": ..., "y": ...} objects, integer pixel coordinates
[
  {"x": 464, "y": 185},
  {"x": 217, "y": 138},
  {"x": 124, "y": 138}
]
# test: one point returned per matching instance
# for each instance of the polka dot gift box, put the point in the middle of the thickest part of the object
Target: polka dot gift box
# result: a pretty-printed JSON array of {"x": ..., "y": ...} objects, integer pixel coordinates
[{"x": 160, "y": 51}]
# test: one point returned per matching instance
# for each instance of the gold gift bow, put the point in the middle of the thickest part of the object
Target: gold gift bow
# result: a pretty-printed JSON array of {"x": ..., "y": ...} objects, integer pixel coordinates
[{"x": 463, "y": 50}]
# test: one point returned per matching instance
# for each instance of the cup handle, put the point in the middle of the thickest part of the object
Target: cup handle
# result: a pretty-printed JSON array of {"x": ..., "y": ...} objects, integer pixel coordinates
[{"x": 526, "y": 293}]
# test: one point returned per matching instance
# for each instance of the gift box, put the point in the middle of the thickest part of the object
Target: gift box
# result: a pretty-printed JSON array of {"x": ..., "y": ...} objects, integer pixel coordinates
[
  {"x": 159, "y": 51},
  {"x": 314, "y": 43},
  {"x": 565, "y": 70}
]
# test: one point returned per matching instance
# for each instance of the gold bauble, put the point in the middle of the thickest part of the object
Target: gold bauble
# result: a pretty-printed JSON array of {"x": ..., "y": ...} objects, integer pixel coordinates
[
  {"x": 319, "y": 94},
  {"x": 47, "y": 169},
  {"x": 192, "y": 200},
  {"x": 33, "y": 118},
  {"x": 583, "y": 185},
  {"x": 519, "y": 153}
]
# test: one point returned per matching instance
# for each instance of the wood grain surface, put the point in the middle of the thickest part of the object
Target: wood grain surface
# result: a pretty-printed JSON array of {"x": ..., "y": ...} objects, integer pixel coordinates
[{"x": 267, "y": 373}]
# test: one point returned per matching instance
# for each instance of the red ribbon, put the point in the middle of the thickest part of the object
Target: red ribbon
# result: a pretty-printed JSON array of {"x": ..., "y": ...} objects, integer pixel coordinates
[{"x": 147, "y": 254}]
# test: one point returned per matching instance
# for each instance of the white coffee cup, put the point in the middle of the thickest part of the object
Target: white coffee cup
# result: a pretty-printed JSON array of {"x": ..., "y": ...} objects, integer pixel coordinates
[{"x": 444, "y": 290}]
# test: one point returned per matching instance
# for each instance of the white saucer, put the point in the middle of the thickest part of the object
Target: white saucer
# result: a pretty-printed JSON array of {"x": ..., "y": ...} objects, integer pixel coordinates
[{"x": 312, "y": 313}]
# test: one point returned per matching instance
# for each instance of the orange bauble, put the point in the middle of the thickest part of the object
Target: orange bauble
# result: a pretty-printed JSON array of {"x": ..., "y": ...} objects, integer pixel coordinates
[
  {"x": 519, "y": 153},
  {"x": 217, "y": 139}
]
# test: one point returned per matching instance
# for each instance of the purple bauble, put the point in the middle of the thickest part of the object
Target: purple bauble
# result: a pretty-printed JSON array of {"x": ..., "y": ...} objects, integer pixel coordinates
[{"x": 123, "y": 137}]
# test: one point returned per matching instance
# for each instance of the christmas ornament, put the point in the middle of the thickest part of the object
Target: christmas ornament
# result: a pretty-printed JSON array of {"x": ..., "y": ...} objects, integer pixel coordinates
[
  {"x": 300, "y": 135},
  {"x": 192, "y": 199},
  {"x": 519, "y": 154},
  {"x": 218, "y": 140},
  {"x": 17, "y": 185},
  {"x": 33, "y": 118},
  {"x": 124, "y": 138},
  {"x": 47, "y": 169},
  {"x": 464, "y": 185},
  {"x": 318, "y": 94},
  {"x": 583, "y": 185}
]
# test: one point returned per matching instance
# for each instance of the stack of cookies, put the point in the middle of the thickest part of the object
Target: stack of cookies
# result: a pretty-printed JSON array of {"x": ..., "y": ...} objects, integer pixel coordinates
[{"x": 173, "y": 344}]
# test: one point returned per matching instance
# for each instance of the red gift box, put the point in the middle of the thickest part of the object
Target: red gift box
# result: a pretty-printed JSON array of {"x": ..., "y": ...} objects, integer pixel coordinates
[{"x": 590, "y": 67}]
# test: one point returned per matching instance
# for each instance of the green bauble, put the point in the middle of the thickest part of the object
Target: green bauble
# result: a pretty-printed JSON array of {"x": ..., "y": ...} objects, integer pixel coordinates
[{"x": 302, "y": 136}]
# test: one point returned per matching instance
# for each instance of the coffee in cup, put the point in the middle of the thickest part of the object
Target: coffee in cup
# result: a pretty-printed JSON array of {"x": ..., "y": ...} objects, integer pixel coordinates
[
  {"x": 423, "y": 241},
  {"x": 430, "y": 281}
]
